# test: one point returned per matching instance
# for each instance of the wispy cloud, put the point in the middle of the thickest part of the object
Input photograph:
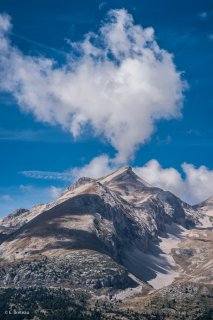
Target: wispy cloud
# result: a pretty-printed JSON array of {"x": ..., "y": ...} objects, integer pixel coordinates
[
  {"x": 39, "y": 44},
  {"x": 25, "y": 188},
  {"x": 163, "y": 140},
  {"x": 6, "y": 99},
  {"x": 203, "y": 15},
  {"x": 41, "y": 135},
  {"x": 99, "y": 166},
  {"x": 101, "y": 5},
  {"x": 211, "y": 36},
  {"x": 22, "y": 135},
  {"x": 48, "y": 175},
  {"x": 6, "y": 197}
]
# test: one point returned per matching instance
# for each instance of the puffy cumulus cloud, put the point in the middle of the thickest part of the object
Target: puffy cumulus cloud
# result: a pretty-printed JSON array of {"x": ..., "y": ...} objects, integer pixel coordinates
[
  {"x": 165, "y": 178},
  {"x": 98, "y": 167},
  {"x": 199, "y": 181},
  {"x": 119, "y": 81}
]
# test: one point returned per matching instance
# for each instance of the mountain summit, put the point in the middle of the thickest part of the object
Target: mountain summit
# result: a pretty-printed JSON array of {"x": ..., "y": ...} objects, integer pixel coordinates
[{"x": 125, "y": 180}]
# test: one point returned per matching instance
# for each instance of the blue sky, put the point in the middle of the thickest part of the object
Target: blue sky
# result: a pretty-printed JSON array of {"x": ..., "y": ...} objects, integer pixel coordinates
[{"x": 41, "y": 28}]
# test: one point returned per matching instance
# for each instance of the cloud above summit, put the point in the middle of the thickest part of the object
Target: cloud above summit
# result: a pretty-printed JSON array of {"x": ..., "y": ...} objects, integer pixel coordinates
[{"x": 118, "y": 81}]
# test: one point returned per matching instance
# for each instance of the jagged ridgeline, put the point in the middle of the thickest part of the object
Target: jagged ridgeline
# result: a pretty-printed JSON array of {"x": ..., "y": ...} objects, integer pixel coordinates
[{"x": 108, "y": 248}]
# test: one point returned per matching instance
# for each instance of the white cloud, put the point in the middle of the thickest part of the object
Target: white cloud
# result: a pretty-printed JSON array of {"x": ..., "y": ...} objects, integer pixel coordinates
[
  {"x": 199, "y": 182},
  {"x": 5, "y": 24},
  {"x": 98, "y": 167},
  {"x": 167, "y": 179},
  {"x": 121, "y": 83}
]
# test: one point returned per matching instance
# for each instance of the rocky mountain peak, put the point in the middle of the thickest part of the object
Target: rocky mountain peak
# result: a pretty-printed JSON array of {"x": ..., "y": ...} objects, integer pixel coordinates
[
  {"x": 80, "y": 182},
  {"x": 127, "y": 169},
  {"x": 206, "y": 203},
  {"x": 19, "y": 211},
  {"x": 124, "y": 181},
  {"x": 16, "y": 213},
  {"x": 124, "y": 173},
  {"x": 209, "y": 201}
]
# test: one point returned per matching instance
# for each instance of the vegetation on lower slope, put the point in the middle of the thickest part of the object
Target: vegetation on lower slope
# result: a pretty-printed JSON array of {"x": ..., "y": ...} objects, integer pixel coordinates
[
  {"x": 178, "y": 301},
  {"x": 45, "y": 304},
  {"x": 80, "y": 268}
]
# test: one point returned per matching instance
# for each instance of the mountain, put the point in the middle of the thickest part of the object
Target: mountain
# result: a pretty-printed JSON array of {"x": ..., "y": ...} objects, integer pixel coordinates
[
  {"x": 116, "y": 212},
  {"x": 115, "y": 236},
  {"x": 206, "y": 208}
]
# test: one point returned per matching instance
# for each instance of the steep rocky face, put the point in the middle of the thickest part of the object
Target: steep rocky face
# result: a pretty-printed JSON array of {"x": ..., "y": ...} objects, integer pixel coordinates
[
  {"x": 124, "y": 181},
  {"x": 92, "y": 218},
  {"x": 159, "y": 205}
]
